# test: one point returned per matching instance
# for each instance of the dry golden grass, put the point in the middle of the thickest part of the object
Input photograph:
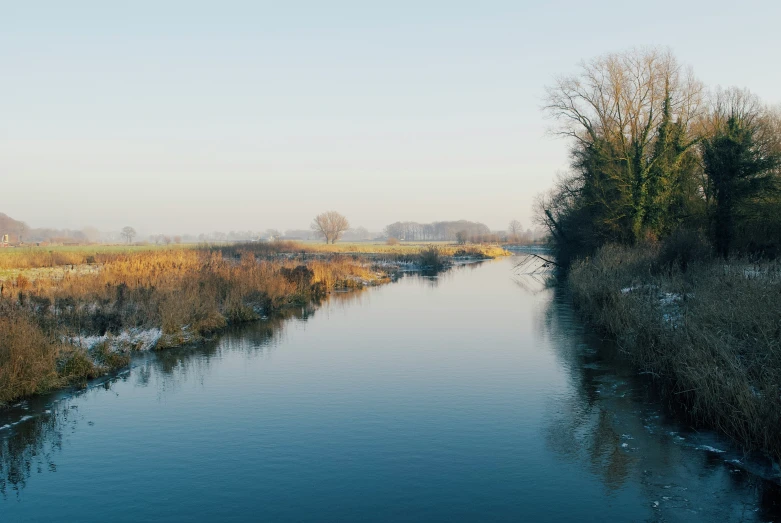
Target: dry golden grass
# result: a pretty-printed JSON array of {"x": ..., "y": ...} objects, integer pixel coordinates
[
  {"x": 187, "y": 293},
  {"x": 57, "y": 256},
  {"x": 28, "y": 359}
]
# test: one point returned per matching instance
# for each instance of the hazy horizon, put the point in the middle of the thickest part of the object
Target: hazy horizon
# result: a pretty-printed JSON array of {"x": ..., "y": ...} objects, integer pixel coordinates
[{"x": 180, "y": 118}]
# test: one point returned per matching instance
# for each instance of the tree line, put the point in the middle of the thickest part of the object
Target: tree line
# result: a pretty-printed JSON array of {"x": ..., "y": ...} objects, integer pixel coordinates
[
  {"x": 436, "y": 231},
  {"x": 653, "y": 152}
]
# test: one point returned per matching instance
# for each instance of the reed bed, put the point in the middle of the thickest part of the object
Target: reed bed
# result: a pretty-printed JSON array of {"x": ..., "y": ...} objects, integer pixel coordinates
[
  {"x": 180, "y": 294},
  {"x": 707, "y": 329}
]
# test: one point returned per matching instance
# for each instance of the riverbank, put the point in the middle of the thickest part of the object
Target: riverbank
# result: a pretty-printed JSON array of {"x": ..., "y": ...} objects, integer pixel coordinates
[
  {"x": 64, "y": 330},
  {"x": 64, "y": 325},
  {"x": 708, "y": 330}
]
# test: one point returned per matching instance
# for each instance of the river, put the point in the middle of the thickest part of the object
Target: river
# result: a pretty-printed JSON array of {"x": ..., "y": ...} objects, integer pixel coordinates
[{"x": 474, "y": 395}]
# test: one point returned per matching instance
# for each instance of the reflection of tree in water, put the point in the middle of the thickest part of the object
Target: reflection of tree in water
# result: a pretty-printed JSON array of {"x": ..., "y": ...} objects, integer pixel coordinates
[
  {"x": 433, "y": 277},
  {"x": 611, "y": 421},
  {"x": 30, "y": 447}
]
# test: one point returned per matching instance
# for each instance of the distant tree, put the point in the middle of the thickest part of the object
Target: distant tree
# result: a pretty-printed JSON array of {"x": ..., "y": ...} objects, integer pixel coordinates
[
  {"x": 128, "y": 233},
  {"x": 461, "y": 237},
  {"x": 177, "y": 239},
  {"x": 412, "y": 231},
  {"x": 273, "y": 233},
  {"x": 91, "y": 234},
  {"x": 330, "y": 226},
  {"x": 167, "y": 240},
  {"x": 358, "y": 234}
]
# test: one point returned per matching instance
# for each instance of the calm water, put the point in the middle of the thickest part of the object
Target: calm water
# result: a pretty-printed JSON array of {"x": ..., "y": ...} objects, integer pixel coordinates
[{"x": 473, "y": 396}]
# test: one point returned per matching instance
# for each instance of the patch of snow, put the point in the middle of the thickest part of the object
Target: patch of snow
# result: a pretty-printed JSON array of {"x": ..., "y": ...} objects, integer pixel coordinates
[
  {"x": 633, "y": 288},
  {"x": 708, "y": 448},
  {"x": 132, "y": 339},
  {"x": 21, "y": 420}
]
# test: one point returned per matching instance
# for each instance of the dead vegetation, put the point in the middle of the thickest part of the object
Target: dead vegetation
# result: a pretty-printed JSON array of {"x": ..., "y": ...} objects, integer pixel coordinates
[
  {"x": 709, "y": 330},
  {"x": 175, "y": 296},
  {"x": 185, "y": 293}
]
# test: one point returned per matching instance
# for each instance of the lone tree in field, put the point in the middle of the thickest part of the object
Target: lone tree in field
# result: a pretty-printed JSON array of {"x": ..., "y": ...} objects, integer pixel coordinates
[
  {"x": 128, "y": 233},
  {"x": 330, "y": 226}
]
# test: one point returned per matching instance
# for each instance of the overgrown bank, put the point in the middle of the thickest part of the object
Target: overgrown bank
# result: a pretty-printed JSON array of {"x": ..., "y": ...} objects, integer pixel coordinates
[
  {"x": 707, "y": 329},
  {"x": 60, "y": 331},
  {"x": 64, "y": 325}
]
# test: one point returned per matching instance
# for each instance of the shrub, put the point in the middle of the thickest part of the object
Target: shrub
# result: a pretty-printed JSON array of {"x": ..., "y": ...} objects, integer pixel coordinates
[
  {"x": 682, "y": 248},
  {"x": 430, "y": 258},
  {"x": 103, "y": 355},
  {"x": 75, "y": 366},
  {"x": 28, "y": 359}
]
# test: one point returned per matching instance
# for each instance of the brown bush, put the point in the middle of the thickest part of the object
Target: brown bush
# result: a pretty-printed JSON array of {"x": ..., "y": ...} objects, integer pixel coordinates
[{"x": 28, "y": 359}]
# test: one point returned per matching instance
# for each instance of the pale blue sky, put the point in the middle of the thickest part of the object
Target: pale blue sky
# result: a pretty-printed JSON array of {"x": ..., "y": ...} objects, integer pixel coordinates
[{"x": 200, "y": 116}]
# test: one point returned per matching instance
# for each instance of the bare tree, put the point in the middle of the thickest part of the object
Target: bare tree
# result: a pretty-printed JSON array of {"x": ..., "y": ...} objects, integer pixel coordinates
[
  {"x": 514, "y": 228},
  {"x": 634, "y": 112},
  {"x": 91, "y": 234},
  {"x": 128, "y": 233},
  {"x": 330, "y": 226}
]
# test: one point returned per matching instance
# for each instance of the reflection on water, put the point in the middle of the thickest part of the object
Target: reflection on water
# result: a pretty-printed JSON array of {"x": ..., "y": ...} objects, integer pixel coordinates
[
  {"x": 615, "y": 426},
  {"x": 467, "y": 395},
  {"x": 32, "y": 431}
]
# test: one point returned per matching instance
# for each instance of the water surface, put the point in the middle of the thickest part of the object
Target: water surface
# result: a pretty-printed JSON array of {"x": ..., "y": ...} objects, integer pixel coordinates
[{"x": 472, "y": 396}]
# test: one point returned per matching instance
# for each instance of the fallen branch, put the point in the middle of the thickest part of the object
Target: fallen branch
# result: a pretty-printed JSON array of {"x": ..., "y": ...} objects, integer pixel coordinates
[{"x": 529, "y": 255}]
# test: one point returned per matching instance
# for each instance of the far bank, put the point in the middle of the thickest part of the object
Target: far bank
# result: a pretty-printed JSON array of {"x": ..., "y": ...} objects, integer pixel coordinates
[{"x": 62, "y": 325}]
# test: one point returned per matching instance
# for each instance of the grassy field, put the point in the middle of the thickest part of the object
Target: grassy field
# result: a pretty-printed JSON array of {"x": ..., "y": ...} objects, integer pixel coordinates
[
  {"x": 15, "y": 258},
  {"x": 57, "y": 261}
]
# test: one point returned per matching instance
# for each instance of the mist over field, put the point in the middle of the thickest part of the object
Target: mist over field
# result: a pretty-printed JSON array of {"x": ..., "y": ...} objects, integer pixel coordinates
[{"x": 244, "y": 116}]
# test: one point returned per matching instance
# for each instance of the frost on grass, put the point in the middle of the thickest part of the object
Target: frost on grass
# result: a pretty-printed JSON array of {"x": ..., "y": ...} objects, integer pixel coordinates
[
  {"x": 135, "y": 339},
  {"x": 669, "y": 302}
]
